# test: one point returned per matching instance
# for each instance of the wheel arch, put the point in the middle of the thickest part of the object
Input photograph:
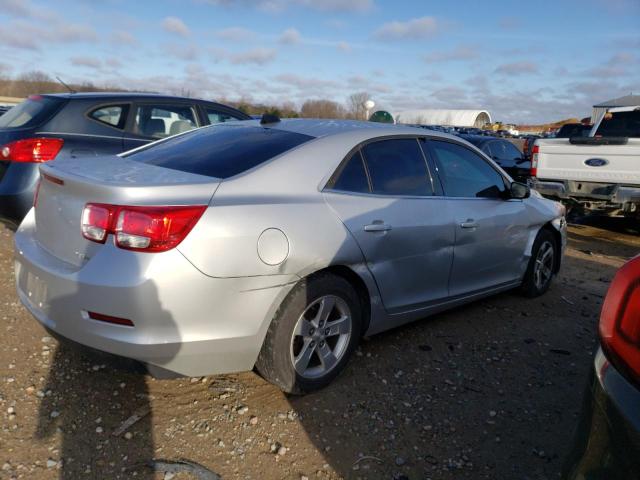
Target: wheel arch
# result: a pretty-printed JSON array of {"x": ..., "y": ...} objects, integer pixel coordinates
[{"x": 359, "y": 285}]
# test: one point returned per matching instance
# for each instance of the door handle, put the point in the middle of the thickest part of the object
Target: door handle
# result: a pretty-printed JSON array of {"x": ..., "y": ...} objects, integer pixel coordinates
[
  {"x": 377, "y": 227},
  {"x": 470, "y": 223}
]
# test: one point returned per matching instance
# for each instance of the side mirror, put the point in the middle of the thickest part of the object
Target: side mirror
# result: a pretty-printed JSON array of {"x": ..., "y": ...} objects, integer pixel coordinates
[{"x": 519, "y": 190}]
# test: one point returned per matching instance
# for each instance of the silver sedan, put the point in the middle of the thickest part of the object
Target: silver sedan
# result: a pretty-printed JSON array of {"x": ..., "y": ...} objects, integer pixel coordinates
[{"x": 275, "y": 244}]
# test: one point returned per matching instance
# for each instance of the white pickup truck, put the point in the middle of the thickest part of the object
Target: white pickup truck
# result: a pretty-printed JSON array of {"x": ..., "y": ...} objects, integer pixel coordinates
[{"x": 599, "y": 173}]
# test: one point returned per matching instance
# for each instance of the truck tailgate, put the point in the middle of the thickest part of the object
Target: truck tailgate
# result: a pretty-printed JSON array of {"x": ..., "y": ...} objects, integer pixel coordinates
[{"x": 560, "y": 160}]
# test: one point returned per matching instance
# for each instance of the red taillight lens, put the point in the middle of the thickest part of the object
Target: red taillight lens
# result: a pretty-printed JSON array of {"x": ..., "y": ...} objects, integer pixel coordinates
[
  {"x": 148, "y": 229},
  {"x": 620, "y": 318},
  {"x": 534, "y": 160},
  {"x": 32, "y": 150}
]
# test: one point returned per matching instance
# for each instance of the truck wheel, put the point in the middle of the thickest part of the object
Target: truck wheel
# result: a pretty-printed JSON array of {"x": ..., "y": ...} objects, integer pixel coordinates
[
  {"x": 312, "y": 335},
  {"x": 541, "y": 268}
]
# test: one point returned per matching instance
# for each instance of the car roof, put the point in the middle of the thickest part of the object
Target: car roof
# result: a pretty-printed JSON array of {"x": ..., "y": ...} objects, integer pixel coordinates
[
  {"x": 328, "y": 127},
  {"x": 122, "y": 95},
  {"x": 480, "y": 139}
]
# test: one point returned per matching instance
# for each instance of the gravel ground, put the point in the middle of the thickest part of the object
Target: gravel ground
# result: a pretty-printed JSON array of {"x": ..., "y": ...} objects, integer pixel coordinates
[{"x": 491, "y": 390}]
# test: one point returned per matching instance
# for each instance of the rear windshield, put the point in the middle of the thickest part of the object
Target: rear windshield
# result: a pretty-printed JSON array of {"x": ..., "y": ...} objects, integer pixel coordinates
[
  {"x": 219, "y": 151},
  {"x": 31, "y": 112},
  {"x": 619, "y": 124}
]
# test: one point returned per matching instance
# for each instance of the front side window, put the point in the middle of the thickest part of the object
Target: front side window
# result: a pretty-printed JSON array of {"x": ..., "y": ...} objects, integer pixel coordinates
[
  {"x": 504, "y": 153},
  {"x": 397, "y": 167},
  {"x": 159, "y": 121},
  {"x": 353, "y": 177},
  {"x": 220, "y": 151},
  {"x": 464, "y": 173},
  {"x": 217, "y": 116},
  {"x": 112, "y": 115}
]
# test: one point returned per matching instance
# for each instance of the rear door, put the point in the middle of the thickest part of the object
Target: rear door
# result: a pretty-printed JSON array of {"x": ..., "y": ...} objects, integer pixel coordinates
[
  {"x": 490, "y": 230},
  {"x": 384, "y": 194},
  {"x": 154, "y": 120}
]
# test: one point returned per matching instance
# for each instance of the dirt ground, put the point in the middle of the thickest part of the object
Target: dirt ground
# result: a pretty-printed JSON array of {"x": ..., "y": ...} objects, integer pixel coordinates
[{"x": 491, "y": 390}]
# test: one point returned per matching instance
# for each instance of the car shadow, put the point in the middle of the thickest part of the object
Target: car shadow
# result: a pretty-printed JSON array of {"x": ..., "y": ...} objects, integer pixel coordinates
[
  {"x": 96, "y": 406},
  {"x": 487, "y": 390}
]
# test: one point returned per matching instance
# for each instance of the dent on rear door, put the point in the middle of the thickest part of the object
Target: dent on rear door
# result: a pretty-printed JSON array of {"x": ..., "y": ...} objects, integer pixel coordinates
[{"x": 410, "y": 262}]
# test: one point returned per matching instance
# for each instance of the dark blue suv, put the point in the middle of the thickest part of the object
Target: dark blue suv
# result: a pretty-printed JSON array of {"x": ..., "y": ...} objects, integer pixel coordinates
[{"x": 46, "y": 127}]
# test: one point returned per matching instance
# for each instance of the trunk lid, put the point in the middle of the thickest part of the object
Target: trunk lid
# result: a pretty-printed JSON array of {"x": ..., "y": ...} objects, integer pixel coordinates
[
  {"x": 67, "y": 185},
  {"x": 558, "y": 159}
]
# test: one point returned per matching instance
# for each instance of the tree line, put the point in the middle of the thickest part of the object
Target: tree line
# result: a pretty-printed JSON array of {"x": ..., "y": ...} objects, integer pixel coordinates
[{"x": 34, "y": 82}]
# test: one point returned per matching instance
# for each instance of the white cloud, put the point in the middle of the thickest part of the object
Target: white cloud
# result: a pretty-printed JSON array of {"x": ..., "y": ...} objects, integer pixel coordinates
[
  {"x": 175, "y": 25},
  {"x": 517, "y": 68},
  {"x": 258, "y": 55},
  {"x": 344, "y": 47},
  {"x": 236, "y": 34},
  {"x": 422, "y": 27},
  {"x": 290, "y": 36},
  {"x": 32, "y": 36},
  {"x": 121, "y": 37},
  {"x": 84, "y": 61},
  {"x": 461, "y": 52},
  {"x": 276, "y": 6}
]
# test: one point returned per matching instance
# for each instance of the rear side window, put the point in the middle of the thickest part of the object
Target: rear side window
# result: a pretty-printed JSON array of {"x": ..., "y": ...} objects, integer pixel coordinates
[
  {"x": 32, "y": 112},
  {"x": 353, "y": 177},
  {"x": 620, "y": 124},
  {"x": 217, "y": 116},
  {"x": 464, "y": 173},
  {"x": 112, "y": 115},
  {"x": 159, "y": 121},
  {"x": 397, "y": 167},
  {"x": 220, "y": 151}
]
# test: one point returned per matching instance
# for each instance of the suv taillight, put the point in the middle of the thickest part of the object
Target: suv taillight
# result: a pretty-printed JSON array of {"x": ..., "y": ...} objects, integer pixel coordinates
[
  {"x": 146, "y": 229},
  {"x": 534, "y": 161},
  {"x": 32, "y": 150},
  {"x": 620, "y": 318}
]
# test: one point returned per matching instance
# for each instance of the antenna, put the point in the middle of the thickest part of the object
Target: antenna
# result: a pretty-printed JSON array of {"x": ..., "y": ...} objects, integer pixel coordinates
[{"x": 71, "y": 90}]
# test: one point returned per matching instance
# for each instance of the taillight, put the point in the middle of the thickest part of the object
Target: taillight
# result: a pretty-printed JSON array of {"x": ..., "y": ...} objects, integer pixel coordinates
[
  {"x": 534, "y": 160},
  {"x": 32, "y": 150},
  {"x": 620, "y": 318},
  {"x": 147, "y": 229}
]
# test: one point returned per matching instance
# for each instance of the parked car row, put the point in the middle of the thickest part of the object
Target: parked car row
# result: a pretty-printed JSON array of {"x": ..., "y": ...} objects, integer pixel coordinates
[{"x": 48, "y": 127}]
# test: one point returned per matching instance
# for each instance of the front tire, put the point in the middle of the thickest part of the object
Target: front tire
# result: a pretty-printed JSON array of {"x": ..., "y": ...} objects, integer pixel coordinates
[
  {"x": 542, "y": 265},
  {"x": 312, "y": 335}
]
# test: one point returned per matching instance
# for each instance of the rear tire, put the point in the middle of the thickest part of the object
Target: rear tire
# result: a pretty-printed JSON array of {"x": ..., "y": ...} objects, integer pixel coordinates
[
  {"x": 542, "y": 265},
  {"x": 312, "y": 335}
]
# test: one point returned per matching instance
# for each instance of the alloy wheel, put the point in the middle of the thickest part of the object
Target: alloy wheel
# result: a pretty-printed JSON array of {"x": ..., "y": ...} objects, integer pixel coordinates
[{"x": 321, "y": 336}]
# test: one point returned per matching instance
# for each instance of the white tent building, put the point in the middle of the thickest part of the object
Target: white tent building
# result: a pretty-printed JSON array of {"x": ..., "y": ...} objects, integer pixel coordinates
[{"x": 452, "y": 118}]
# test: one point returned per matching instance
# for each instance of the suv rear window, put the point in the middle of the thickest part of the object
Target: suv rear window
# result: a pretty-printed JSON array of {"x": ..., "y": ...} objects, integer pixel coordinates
[
  {"x": 32, "y": 112},
  {"x": 619, "y": 124},
  {"x": 219, "y": 151}
]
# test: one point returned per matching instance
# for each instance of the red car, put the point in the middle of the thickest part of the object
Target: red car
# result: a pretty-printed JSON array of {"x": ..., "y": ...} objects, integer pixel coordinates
[{"x": 607, "y": 445}]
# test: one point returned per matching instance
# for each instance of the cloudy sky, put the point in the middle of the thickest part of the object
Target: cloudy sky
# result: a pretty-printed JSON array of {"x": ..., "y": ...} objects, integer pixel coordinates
[{"x": 523, "y": 61}]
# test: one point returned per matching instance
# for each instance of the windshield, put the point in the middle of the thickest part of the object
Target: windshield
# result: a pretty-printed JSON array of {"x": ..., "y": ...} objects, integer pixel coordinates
[
  {"x": 33, "y": 111},
  {"x": 219, "y": 151},
  {"x": 620, "y": 124}
]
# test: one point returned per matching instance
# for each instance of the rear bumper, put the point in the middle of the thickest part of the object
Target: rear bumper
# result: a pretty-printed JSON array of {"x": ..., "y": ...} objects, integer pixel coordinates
[
  {"x": 185, "y": 322},
  {"x": 607, "y": 442},
  {"x": 593, "y": 196}
]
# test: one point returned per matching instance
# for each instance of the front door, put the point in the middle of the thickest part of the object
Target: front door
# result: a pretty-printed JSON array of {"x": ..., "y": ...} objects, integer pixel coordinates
[{"x": 490, "y": 229}]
